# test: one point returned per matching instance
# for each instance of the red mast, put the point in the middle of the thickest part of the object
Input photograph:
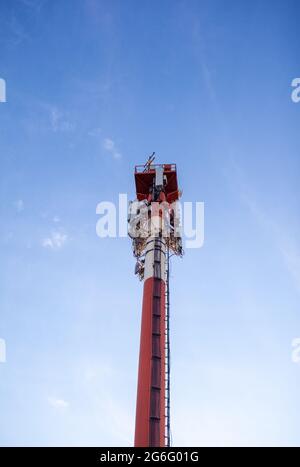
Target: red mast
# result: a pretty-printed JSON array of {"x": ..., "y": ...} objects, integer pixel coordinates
[{"x": 153, "y": 222}]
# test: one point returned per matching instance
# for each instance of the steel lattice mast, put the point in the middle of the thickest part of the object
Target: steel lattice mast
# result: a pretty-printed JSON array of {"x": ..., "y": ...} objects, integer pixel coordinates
[{"x": 154, "y": 226}]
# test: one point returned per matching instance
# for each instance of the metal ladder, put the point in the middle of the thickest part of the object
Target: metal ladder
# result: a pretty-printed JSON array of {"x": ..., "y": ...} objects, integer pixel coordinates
[{"x": 167, "y": 352}]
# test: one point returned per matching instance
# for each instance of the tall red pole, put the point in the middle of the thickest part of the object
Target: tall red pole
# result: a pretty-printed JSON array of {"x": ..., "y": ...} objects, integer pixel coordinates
[
  {"x": 150, "y": 408},
  {"x": 157, "y": 194}
]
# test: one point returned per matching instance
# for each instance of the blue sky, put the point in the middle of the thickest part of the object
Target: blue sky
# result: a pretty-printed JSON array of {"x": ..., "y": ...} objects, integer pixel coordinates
[{"x": 92, "y": 88}]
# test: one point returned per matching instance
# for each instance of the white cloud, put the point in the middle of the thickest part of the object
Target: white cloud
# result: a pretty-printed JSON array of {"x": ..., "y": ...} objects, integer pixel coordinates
[
  {"x": 110, "y": 147},
  {"x": 55, "y": 241},
  {"x": 19, "y": 205},
  {"x": 59, "y": 122},
  {"x": 56, "y": 219},
  {"x": 58, "y": 403}
]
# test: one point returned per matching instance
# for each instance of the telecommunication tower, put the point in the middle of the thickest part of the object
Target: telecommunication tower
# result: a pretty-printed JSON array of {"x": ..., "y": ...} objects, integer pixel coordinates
[{"x": 154, "y": 226}]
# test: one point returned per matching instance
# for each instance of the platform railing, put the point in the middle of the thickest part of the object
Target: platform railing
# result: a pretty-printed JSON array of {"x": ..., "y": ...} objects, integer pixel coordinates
[{"x": 152, "y": 167}]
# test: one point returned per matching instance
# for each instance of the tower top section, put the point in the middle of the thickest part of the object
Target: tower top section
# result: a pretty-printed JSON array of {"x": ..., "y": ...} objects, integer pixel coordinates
[
  {"x": 156, "y": 210},
  {"x": 151, "y": 178}
]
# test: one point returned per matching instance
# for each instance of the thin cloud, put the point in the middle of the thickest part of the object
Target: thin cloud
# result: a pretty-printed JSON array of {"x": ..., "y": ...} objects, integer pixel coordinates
[
  {"x": 19, "y": 205},
  {"x": 287, "y": 246},
  {"x": 55, "y": 241},
  {"x": 59, "y": 121},
  {"x": 34, "y": 4},
  {"x": 284, "y": 240},
  {"x": 17, "y": 32},
  {"x": 291, "y": 255},
  {"x": 57, "y": 403},
  {"x": 110, "y": 147}
]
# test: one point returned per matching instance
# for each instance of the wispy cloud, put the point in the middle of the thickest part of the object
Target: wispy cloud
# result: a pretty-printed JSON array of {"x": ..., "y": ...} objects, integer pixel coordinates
[
  {"x": 19, "y": 205},
  {"x": 43, "y": 117},
  {"x": 35, "y": 4},
  {"x": 110, "y": 147},
  {"x": 282, "y": 237},
  {"x": 59, "y": 121},
  {"x": 116, "y": 416},
  {"x": 55, "y": 241},
  {"x": 17, "y": 32},
  {"x": 58, "y": 403},
  {"x": 290, "y": 251}
]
